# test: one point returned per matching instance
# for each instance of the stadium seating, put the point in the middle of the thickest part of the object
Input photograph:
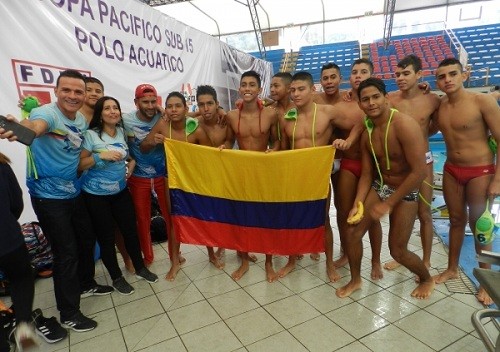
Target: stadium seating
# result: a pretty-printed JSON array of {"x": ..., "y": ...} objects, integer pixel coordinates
[
  {"x": 274, "y": 56},
  {"x": 312, "y": 58},
  {"x": 430, "y": 47},
  {"x": 482, "y": 44}
]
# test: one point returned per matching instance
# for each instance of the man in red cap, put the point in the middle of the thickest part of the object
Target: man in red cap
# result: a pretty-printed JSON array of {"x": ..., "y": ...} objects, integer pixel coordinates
[{"x": 149, "y": 173}]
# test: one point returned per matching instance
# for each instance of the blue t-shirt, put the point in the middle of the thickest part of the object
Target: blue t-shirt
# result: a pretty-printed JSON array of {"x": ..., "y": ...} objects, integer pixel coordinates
[
  {"x": 148, "y": 165},
  {"x": 55, "y": 154},
  {"x": 109, "y": 179}
]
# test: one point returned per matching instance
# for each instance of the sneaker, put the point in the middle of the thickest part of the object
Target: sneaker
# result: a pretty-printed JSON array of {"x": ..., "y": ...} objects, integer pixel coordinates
[
  {"x": 147, "y": 275},
  {"x": 122, "y": 286},
  {"x": 25, "y": 337},
  {"x": 80, "y": 323},
  {"x": 48, "y": 328},
  {"x": 97, "y": 290}
]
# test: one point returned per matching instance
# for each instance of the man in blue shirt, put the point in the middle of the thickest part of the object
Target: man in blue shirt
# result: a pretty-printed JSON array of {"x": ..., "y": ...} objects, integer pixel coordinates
[{"x": 54, "y": 188}]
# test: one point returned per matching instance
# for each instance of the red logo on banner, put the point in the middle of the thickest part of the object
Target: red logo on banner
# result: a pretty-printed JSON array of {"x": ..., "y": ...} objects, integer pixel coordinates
[
  {"x": 190, "y": 95},
  {"x": 37, "y": 79}
]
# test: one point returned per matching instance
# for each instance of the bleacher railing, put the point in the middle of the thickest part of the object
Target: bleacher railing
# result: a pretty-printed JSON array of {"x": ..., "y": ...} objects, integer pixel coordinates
[
  {"x": 463, "y": 56},
  {"x": 481, "y": 79}
]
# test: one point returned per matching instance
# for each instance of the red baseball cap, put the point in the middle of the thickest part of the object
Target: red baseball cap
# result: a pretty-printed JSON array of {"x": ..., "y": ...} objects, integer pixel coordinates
[{"x": 145, "y": 89}]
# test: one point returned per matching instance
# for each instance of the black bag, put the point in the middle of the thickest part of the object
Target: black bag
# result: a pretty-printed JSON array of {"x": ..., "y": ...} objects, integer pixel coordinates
[{"x": 158, "y": 228}]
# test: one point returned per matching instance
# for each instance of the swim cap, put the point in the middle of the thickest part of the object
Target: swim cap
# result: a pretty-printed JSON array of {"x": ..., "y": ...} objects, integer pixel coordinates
[
  {"x": 191, "y": 125},
  {"x": 29, "y": 103},
  {"x": 492, "y": 143},
  {"x": 484, "y": 227},
  {"x": 291, "y": 114}
]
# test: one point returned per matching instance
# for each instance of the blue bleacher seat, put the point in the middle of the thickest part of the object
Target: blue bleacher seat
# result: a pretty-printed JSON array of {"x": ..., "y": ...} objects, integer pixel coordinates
[
  {"x": 340, "y": 53},
  {"x": 481, "y": 44}
]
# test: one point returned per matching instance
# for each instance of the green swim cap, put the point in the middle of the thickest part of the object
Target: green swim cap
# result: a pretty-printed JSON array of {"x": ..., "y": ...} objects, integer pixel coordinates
[
  {"x": 484, "y": 228},
  {"x": 492, "y": 143},
  {"x": 29, "y": 103},
  {"x": 191, "y": 125},
  {"x": 291, "y": 114}
]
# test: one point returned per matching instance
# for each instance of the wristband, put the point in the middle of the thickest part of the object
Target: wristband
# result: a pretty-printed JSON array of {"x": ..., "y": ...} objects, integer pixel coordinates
[{"x": 99, "y": 163}]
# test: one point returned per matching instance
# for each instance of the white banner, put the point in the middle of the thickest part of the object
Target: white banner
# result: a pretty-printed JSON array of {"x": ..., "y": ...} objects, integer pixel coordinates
[{"x": 122, "y": 43}]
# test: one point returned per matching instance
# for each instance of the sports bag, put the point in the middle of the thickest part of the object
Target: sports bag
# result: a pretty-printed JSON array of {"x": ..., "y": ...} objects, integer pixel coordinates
[{"x": 38, "y": 248}]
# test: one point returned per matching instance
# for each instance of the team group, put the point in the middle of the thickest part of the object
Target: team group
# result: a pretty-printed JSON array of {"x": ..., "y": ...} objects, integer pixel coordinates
[{"x": 93, "y": 169}]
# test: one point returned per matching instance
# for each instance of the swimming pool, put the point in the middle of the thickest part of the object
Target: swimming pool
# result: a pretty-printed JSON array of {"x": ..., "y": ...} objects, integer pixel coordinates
[{"x": 438, "y": 149}]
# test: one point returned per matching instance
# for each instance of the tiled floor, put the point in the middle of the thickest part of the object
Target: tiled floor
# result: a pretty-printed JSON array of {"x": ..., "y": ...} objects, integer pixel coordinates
[{"x": 205, "y": 310}]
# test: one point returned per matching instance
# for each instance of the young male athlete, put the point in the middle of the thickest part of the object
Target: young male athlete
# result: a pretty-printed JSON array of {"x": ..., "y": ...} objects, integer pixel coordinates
[
  {"x": 313, "y": 126},
  {"x": 255, "y": 128},
  {"x": 350, "y": 169},
  {"x": 470, "y": 175},
  {"x": 393, "y": 168},
  {"x": 173, "y": 126},
  {"x": 208, "y": 107},
  {"x": 280, "y": 93},
  {"x": 330, "y": 82},
  {"x": 422, "y": 106},
  {"x": 94, "y": 91}
]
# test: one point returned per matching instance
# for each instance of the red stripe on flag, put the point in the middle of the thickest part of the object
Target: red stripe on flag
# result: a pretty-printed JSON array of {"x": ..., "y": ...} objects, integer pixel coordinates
[{"x": 249, "y": 239}]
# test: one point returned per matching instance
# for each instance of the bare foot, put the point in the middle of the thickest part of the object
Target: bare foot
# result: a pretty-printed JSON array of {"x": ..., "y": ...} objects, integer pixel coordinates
[
  {"x": 341, "y": 261},
  {"x": 347, "y": 290},
  {"x": 424, "y": 289},
  {"x": 172, "y": 273},
  {"x": 314, "y": 256},
  {"x": 391, "y": 265},
  {"x": 251, "y": 257},
  {"x": 332, "y": 274},
  {"x": 238, "y": 274},
  {"x": 217, "y": 262},
  {"x": 377, "y": 272},
  {"x": 446, "y": 275},
  {"x": 417, "y": 278},
  {"x": 182, "y": 260},
  {"x": 271, "y": 275},
  {"x": 288, "y": 268},
  {"x": 220, "y": 252},
  {"x": 483, "y": 297},
  {"x": 300, "y": 256}
]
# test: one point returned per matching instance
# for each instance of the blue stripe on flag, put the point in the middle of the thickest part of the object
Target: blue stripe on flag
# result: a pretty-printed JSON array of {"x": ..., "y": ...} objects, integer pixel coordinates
[{"x": 278, "y": 215}]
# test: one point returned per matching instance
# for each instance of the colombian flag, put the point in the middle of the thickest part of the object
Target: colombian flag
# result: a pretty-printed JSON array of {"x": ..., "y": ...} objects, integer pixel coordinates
[{"x": 270, "y": 203}]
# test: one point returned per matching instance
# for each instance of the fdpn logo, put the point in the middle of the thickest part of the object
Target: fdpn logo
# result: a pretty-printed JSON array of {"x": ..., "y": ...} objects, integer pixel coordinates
[{"x": 38, "y": 79}]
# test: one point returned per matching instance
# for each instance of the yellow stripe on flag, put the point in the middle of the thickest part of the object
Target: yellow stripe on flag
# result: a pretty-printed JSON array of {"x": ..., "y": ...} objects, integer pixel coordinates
[{"x": 284, "y": 176}]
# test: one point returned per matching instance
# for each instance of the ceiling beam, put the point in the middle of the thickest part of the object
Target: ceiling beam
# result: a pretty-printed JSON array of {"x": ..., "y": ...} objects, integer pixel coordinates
[
  {"x": 390, "y": 6},
  {"x": 256, "y": 26}
]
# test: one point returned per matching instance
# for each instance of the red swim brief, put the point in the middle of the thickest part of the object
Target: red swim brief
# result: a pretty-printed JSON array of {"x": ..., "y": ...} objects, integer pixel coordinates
[
  {"x": 351, "y": 165},
  {"x": 464, "y": 174}
]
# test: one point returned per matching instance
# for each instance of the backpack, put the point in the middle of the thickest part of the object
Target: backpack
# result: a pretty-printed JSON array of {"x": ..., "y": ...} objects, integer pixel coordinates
[
  {"x": 158, "y": 227},
  {"x": 39, "y": 248}
]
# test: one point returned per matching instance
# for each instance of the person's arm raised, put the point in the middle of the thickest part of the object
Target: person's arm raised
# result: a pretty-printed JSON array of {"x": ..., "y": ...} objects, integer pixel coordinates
[{"x": 154, "y": 137}]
